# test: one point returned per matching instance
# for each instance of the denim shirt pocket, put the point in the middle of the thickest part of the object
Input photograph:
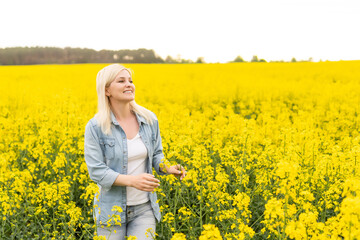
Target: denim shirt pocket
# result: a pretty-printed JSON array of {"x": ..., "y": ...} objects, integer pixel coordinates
[{"x": 108, "y": 146}]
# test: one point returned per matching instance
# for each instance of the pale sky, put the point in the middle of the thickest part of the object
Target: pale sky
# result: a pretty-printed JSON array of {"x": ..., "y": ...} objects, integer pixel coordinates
[{"x": 216, "y": 30}]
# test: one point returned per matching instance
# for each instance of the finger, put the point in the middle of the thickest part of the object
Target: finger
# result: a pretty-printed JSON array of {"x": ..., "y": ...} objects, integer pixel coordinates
[
  {"x": 178, "y": 169},
  {"x": 183, "y": 174},
  {"x": 155, "y": 180},
  {"x": 152, "y": 184},
  {"x": 152, "y": 178},
  {"x": 174, "y": 170},
  {"x": 148, "y": 187}
]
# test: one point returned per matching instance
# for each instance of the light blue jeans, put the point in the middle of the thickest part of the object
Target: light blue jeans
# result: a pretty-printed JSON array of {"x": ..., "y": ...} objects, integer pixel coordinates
[{"x": 139, "y": 219}]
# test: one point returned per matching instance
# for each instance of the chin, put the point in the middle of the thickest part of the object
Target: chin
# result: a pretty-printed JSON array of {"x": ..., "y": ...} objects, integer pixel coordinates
[{"x": 129, "y": 100}]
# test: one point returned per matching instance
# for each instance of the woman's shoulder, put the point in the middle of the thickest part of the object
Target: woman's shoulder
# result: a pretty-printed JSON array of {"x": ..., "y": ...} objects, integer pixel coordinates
[
  {"x": 147, "y": 116},
  {"x": 92, "y": 125},
  {"x": 92, "y": 122},
  {"x": 153, "y": 115}
]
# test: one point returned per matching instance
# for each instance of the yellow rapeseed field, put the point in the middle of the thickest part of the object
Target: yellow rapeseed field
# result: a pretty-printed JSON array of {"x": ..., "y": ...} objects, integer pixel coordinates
[{"x": 272, "y": 149}]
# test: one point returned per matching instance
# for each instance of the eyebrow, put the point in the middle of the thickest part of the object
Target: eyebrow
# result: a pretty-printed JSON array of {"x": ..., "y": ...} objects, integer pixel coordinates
[{"x": 123, "y": 78}]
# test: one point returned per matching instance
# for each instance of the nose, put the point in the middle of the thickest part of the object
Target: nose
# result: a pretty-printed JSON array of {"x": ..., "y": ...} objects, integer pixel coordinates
[{"x": 128, "y": 83}]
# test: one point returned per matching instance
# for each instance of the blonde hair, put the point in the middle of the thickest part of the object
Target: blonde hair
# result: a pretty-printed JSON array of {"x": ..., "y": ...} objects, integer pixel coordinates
[{"x": 103, "y": 79}]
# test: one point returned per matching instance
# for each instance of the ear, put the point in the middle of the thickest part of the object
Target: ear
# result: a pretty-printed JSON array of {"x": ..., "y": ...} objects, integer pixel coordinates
[{"x": 107, "y": 93}]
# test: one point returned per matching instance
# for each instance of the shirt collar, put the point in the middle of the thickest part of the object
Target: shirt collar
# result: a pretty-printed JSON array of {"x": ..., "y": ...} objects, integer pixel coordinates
[{"x": 139, "y": 118}]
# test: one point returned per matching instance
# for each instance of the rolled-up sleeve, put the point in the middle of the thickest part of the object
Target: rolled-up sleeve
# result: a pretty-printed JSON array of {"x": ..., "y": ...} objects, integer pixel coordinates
[
  {"x": 99, "y": 172},
  {"x": 158, "y": 151}
]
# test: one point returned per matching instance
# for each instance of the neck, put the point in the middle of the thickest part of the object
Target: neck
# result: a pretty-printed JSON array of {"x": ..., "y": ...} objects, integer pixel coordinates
[{"x": 121, "y": 110}]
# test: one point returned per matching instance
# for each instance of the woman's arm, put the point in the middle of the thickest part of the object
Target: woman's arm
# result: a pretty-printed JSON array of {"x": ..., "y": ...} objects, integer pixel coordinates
[
  {"x": 158, "y": 155},
  {"x": 99, "y": 172},
  {"x": 144, "y": 182}
]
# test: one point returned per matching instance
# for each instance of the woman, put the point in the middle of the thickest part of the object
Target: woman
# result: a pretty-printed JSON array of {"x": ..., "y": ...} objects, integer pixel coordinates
[{"x": 122, "y": 146}]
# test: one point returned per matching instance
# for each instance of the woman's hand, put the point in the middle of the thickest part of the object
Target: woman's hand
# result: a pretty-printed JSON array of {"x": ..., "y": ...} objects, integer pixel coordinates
[
  {"x": 176, "y": 170},
  {"x": 144, "y": 182}
]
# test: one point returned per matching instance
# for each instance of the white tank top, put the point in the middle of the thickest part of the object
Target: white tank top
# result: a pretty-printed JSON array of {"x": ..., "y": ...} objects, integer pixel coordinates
[{"x": 137, "y": 154}]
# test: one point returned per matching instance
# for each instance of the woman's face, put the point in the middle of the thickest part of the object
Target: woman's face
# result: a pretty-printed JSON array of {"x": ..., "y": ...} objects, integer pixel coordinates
[{"x": 122, "y": 88}]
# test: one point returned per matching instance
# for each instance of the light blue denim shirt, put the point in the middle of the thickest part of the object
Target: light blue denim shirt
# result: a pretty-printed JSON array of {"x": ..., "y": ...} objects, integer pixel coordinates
[{"x": 106, "y": 157}]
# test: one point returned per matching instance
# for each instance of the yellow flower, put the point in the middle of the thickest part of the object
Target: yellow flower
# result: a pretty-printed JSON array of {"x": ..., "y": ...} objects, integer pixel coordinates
[
  {"x": 210, "y": 232},
  {"x": 116, "y": 209},
  {"x": 178, "y": 236},
  {"x": 131, "y": 237}
]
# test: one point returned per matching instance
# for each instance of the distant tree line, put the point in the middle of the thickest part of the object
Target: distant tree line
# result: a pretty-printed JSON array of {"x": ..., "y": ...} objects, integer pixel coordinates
[
  {"x": 54, "y": 55},
  {"x": 256, "y": 59}
]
